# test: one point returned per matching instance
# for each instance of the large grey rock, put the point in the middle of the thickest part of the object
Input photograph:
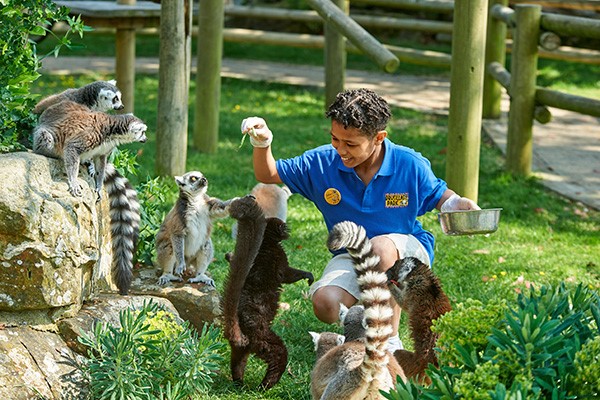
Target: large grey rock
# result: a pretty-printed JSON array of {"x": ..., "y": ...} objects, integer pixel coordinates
[
  {"x": 54, "y": 247},
  {"x": 55, "y": 278},
  {"x": 32, "y": 366},
  {"x": 197, "y": 303}
]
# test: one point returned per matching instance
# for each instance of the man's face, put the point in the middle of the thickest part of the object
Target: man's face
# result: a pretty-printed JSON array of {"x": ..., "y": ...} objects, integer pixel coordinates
[{"x": 353, "y": 146}]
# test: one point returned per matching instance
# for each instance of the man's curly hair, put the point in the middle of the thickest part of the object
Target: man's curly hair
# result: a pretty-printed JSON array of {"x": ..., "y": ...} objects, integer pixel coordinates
[{"x": 362, "y": 109}]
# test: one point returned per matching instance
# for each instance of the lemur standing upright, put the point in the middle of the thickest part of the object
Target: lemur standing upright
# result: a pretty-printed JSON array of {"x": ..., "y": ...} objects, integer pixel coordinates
[
  {"x": 73, "y": 133},
  {"x": 419, "y": 292},
  {"x": 358, "y": 369},
  {"x": 183, "y": 240},
  {"x": 258, "y": 269},
  {"x": 97, "y": 96}
]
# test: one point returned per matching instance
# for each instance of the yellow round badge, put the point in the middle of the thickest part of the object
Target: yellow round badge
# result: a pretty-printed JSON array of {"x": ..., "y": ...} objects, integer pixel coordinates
[{"x": 332, "y": 196}]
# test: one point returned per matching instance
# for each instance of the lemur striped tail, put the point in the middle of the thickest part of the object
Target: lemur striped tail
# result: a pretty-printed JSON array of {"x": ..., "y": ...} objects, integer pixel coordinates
[
  {"x": 124, "y": 226},
  {"x": 374, "y": 293}
]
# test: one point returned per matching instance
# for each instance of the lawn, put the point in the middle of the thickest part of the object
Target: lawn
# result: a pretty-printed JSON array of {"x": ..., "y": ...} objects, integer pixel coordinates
[{"x": 543, "y": 238}]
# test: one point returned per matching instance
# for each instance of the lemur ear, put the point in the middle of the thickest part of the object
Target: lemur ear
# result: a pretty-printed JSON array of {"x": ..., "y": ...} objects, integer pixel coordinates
[
  {"x": 179, "y": 180},
  {"x": 315, "y": 338},
  {"x": 343, "y": 312},
  {"x": 113, "y": 82}
]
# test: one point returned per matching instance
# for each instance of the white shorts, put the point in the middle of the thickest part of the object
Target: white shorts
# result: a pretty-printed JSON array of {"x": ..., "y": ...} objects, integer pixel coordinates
[{"x": 340, "y": 269}]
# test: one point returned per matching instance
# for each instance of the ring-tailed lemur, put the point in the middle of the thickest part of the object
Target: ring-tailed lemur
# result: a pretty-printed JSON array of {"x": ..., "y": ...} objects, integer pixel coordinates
[
  {"x": 183, "y": 240},
  {"x": 97, "y": 96},
  {"x": 73, "y": 132},
  {"x": 272, "y": 199},
  {"x": 358, "y": 369}
]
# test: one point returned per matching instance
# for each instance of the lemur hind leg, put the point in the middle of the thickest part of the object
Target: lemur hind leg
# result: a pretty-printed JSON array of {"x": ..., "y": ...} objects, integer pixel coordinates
[
  {"x": 99, "y": 170},
  {"x": 271, "y": 349},
  {"x": 239, "y": 359},
  {"x": 71, "y": 160},
  {"x": 202, "y": 261}
]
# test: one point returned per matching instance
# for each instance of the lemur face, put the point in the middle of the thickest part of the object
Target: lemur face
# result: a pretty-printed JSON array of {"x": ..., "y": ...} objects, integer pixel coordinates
[
  {"x": 398, "y": 274},
  {"x": 192, "y": 182},
  {"x": 138, "y": 130},
  {"x": 109, "y": 99}
]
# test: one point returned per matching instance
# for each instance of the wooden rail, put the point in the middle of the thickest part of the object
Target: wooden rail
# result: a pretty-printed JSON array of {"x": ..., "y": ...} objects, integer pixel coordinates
[{"x": 527, "y": 99}]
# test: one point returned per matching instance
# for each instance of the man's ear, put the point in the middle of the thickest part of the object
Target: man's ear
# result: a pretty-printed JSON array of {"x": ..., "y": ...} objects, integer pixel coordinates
[{"x": 380, "y": 136}]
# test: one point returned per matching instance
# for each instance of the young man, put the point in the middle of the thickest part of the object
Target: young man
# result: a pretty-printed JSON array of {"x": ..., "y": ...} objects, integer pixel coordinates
[{"x": 365, "y": 178}]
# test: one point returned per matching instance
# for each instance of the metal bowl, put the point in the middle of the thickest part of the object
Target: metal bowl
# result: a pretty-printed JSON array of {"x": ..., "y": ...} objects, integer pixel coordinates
[{"x": 471, "y": 222}]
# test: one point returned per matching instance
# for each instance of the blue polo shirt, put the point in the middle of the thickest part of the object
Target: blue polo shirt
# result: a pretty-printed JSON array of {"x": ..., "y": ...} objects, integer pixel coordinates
[{"x": 403, "y": 189}]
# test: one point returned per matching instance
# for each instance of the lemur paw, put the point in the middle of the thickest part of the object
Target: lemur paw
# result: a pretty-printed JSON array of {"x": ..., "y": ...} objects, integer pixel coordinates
[
  {"x": 166, "y": 278},
  {"x": 179, "y": 269},
  {"x": 243, "y": 207},
  {"x": 75, "y": 190},
  {"x": 202, "y": 278}
]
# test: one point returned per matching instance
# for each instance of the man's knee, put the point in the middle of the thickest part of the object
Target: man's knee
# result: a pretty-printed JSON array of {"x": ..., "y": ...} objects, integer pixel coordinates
[
  {"x": 385, "y": 248},
  {"x": 326, "y": 303}
]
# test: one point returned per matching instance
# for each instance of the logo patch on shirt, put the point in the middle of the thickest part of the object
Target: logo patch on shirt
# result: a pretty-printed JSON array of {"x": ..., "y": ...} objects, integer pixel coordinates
[
  {"x": 332, "y": 196},
  {"x": 395, "y": 200}
]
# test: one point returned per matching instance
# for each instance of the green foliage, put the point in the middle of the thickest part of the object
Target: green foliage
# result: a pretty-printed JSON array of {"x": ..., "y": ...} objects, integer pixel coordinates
[
  {"x": 153, "y": 194},
  {"x": 467, "y": 324},
  {"x": 21, "y": 21},
  {"x": 139, "y": 360},
  {"x": 587, "y": 368},
  {"x": 534, "y": 353}
]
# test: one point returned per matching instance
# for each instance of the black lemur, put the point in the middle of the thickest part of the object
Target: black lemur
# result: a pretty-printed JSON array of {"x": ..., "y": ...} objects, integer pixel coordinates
[{"x": 258, "y": 268}]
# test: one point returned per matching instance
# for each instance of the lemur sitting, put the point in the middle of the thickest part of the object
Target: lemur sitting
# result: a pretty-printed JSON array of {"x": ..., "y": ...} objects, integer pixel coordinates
[{"x": 183, "y": 241}]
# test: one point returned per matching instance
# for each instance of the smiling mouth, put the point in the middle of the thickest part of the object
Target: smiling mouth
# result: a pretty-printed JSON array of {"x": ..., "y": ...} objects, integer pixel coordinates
[{"x": 344, "y": 158}]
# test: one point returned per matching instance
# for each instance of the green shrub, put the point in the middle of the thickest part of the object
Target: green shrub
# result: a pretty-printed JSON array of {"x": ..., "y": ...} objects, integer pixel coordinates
[
  {"x": 21, "y": 21},
  {"x": 468, "y": 323},
  {"x": 136, "y": 360},
  {"x": 534, "y": 352},
  {"x": 587, "y": 369}
]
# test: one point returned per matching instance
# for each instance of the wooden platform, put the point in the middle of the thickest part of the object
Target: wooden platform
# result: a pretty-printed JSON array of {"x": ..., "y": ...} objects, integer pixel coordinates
[{"x": 143, "y": 14}]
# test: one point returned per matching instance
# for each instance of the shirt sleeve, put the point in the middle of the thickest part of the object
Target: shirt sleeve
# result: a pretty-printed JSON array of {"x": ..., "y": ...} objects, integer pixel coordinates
[
  {"x": 294, "y": 173},
  {"x": 431, "y": 188}
]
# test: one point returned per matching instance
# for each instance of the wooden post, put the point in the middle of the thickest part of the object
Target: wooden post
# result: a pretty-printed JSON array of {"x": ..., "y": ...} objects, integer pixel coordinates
[
  {"x": 125, "y": 62},
  {"x": 495, "y": 51},
  {"x": 189, "y": 19},
  {"x": 172, "y": 121},
  {"x": 519, "y": 141},
  {"x": 356, "y": 34},
  {"x": 208, "y": 76},
  {"x": 335, "y": 57},
  {"x": 466, "y": 92}
]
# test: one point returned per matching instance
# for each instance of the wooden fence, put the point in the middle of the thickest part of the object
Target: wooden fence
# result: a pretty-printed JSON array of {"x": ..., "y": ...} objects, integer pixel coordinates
[{"x": 528, "y": 101}]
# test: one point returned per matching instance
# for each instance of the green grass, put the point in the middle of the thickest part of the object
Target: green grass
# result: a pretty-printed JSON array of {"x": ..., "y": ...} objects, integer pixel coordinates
[{"x": 543, "y": 238}]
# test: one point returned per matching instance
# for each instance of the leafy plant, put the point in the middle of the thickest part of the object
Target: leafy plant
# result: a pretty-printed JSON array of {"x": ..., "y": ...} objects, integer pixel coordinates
[
  {"x": 587, "y": 368},
  {"x": 468, "y": 324},
  {"x": 21, "y": 21},
  {"x": 535, "y": 352},
  {"x": 137, "y": 360}
]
